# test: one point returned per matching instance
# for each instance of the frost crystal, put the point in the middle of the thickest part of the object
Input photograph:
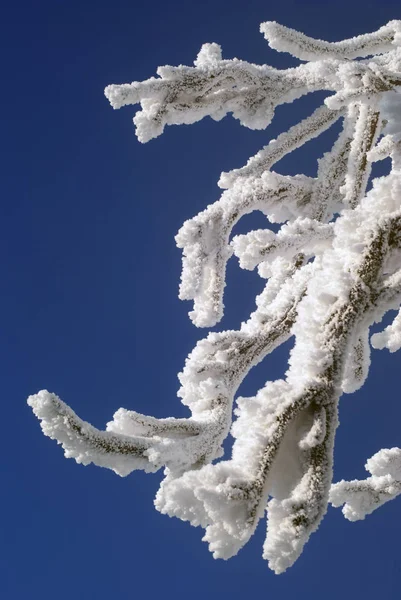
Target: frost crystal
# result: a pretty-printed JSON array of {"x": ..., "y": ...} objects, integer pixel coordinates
[{"x": 283, "y": 450}]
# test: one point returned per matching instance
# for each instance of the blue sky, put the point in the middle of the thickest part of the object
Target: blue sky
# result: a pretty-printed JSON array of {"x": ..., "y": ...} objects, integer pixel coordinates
[{"x": 90, "y": 311}]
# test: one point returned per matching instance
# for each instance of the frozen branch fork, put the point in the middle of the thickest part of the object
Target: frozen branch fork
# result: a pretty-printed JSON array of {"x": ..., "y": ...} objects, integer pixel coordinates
[{"x": 283, "y": 450}]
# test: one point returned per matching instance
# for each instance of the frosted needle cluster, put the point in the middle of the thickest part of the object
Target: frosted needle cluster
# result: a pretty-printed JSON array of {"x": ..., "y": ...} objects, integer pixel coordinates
[{"x": 332, "y": 270}]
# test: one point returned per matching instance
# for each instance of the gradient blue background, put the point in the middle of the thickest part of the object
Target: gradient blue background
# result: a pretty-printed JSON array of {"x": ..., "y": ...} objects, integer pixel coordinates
[{"x": 89, "y": 304}]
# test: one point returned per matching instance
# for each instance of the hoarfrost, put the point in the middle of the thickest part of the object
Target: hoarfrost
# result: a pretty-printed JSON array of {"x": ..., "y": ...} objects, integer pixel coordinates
[{"x": 333, "y": 269}]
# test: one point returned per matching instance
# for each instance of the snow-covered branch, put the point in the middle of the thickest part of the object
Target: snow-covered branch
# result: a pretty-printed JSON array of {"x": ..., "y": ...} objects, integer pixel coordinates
[
  {"x": 284, "y": 39},
  {"x": 205, "y": 238},
  {"x": 360, "y": 498},
  {"x": 214, "y": 87},
  {"x": 294, "y": 138},
  {"x": 333, "y": 269}
]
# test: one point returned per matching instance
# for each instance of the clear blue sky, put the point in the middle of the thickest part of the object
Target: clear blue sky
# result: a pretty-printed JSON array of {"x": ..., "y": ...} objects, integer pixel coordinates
[{"x": 89, "y": 305}]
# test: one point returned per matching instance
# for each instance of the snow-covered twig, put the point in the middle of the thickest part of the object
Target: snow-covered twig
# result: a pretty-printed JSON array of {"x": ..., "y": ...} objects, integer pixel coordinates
[{"x": 360, "y": 498}]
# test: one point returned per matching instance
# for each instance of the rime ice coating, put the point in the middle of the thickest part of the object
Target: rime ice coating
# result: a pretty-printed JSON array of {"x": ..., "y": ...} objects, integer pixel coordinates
[
  {"x": 332, "y": 270},
  {"x": 360, "y": 498}
]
